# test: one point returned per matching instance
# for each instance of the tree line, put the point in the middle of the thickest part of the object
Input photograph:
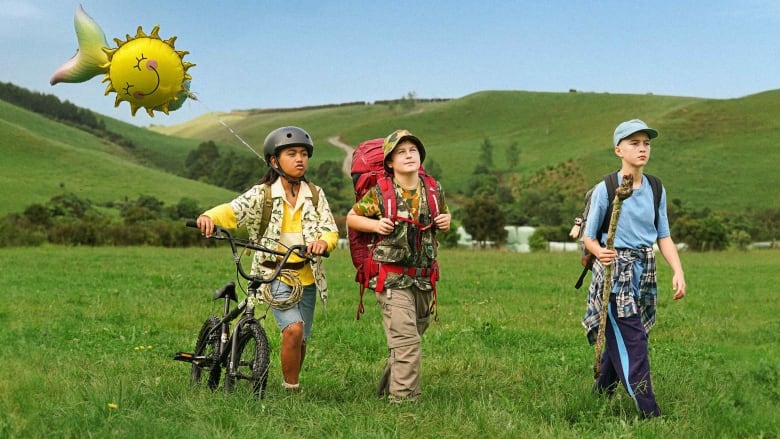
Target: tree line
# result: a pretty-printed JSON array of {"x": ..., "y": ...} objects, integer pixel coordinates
[
  {"x": 547, "y": 200},
  {"x": 71, "y": 220},
  {"x": 550, "y": 199}
]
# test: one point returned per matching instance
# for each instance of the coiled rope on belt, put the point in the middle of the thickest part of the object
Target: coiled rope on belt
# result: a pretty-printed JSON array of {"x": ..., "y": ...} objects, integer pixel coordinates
[{"x": 289, "y": 277}]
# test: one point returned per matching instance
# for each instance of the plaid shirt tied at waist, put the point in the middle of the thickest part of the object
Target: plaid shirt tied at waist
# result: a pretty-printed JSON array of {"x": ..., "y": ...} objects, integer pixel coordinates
[{"x": 633, "y": 283}]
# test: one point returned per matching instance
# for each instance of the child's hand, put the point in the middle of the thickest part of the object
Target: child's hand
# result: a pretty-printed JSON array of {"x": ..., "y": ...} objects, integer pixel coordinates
[
  {"x": 678, "y": 285},
  {"x": 206, "y": 226},
  {"x": 384, "y": 226},
  {"x": 318, "y": 247},
  {"x": 442, "y": 221},
  {"x": 606, "y": 256}
]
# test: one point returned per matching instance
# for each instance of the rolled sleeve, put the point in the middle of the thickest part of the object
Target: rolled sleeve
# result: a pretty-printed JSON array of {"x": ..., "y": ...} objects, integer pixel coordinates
[
  {"x": 332, "y": 238},
  {"x": 223, "y": 216}
]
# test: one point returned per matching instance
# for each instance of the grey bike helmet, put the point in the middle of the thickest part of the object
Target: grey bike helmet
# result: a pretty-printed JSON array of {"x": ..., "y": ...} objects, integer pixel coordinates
[{"x": 284, "y": 137}]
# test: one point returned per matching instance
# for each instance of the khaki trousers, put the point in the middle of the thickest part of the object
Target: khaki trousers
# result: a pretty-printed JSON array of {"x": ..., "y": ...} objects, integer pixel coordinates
[{"x": 405, "y": 316}]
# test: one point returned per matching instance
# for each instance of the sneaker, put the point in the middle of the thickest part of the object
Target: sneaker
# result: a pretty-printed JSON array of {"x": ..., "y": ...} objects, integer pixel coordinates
[{"x": 291, "y": 388}]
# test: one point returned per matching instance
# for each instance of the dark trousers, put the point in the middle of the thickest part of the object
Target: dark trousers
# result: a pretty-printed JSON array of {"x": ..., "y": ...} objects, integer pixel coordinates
[{"x": 625, "y": 359}]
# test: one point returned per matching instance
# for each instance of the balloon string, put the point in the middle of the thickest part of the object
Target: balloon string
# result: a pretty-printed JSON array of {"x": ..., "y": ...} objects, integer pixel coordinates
[
  {"x": 221, "y": 122},
  {"x": 228, "y": 127}
]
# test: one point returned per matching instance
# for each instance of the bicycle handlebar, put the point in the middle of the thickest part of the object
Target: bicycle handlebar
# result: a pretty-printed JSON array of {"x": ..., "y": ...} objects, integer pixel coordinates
[{"x": 225, "y": 235}]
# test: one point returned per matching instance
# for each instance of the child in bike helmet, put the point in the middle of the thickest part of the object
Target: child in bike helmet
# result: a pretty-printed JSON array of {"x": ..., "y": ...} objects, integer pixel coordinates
[{"x": 299, "y": 214}]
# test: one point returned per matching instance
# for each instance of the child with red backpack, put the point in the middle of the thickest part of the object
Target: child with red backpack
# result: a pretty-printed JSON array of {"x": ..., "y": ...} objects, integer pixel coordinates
[{"x": 403, "y": 258}]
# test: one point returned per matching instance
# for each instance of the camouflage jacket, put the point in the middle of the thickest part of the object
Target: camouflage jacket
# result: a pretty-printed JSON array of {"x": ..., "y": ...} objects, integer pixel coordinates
[{"x": 409, "y": 245}]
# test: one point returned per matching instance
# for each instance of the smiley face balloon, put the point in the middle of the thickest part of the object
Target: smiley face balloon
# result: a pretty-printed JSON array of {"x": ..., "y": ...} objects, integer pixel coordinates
[{"x": 144, "y": 70}]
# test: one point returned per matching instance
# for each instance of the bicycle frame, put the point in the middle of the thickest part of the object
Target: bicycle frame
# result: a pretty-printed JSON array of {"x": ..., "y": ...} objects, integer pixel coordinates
[{"x": 227, "y": 348}]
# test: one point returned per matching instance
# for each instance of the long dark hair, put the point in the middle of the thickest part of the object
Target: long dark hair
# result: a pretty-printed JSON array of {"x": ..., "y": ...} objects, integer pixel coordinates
[{"x": 270, "y": 177}]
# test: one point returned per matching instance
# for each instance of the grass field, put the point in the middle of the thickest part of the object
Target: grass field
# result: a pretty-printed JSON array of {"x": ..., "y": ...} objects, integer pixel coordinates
[{"x": 89, "y": 333}]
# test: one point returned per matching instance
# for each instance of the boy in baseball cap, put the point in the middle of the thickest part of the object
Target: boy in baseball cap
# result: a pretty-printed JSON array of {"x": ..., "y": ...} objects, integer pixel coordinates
[{"x": 631, "y": 307}]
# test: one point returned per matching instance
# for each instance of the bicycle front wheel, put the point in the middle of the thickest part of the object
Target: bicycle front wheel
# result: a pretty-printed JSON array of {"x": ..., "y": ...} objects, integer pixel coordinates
[
  {"x": 251, "y": 361},
  {"x": 206, "y": 357}
]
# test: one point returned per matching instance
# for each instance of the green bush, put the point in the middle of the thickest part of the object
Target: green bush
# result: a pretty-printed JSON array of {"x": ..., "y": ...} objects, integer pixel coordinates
[
  {"x": 88, "y": 231},
  {"x": 448, "y": 239},
  {"x": 15, "y": 232},
  {"x": 127, "y": 234},
  {"x": 38, "y": 214},
  {"x": 739, "y": 239},
  {"x": 708, "y": 232},
  {"x": 538, "y": 242}
]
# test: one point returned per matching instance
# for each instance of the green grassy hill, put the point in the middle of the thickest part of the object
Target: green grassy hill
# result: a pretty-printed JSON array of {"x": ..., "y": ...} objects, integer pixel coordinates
[
  {"x": 711, "y": 153},
  {"x": 40, "y": 158}
]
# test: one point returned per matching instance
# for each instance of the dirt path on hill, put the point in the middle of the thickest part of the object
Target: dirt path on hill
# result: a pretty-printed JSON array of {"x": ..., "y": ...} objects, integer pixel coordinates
[{"x": 347, "y": 164}]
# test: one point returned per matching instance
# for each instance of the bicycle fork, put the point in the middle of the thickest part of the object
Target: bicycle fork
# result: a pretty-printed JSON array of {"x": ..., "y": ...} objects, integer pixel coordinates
[{"x": 233, "y": 359}]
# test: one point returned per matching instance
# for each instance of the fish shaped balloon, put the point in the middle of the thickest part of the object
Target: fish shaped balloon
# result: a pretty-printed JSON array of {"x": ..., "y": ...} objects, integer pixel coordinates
[{"x": 144, "y": 70}]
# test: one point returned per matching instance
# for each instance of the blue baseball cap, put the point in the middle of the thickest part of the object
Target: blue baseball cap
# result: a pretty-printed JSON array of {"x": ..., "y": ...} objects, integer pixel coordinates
[{"x": 630, "y": 127}]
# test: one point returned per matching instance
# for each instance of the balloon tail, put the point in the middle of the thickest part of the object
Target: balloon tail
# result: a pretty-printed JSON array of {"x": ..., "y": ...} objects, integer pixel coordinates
[{"x": 90, "y": 60}]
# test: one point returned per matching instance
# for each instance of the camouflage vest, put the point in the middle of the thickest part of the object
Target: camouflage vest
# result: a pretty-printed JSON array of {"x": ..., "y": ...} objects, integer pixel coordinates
[{"x": 408, "y": 245}]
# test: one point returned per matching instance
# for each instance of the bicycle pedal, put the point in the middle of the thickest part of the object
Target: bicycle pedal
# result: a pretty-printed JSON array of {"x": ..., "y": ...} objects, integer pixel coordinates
[{"x": 183, "y": 356}]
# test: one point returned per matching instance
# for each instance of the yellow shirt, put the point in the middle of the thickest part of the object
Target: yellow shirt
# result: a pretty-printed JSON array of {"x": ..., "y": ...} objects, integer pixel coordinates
[{"x": 292, "y": 232}]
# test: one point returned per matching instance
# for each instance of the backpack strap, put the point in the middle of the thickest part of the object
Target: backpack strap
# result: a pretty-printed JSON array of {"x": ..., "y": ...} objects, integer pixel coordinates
[
  {"x": 431, "y": 194},
  {"x": 611, "y": 182},
  {"x": 432, "y": 198},
  {"x": 657, "y": 186},
  {"x": 369, "y": 267},
  {"x": 265, "y": 216},
  {"x": 389, "y": 208}
]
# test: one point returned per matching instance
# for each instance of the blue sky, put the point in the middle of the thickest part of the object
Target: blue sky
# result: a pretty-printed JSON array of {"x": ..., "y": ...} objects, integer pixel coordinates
[{"x": 288, "y": 53}]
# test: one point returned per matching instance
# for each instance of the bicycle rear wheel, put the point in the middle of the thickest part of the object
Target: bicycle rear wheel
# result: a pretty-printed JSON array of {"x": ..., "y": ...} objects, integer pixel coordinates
[
  {"x": 251, "y": 361},
  {"x": 207, "y": 354}
]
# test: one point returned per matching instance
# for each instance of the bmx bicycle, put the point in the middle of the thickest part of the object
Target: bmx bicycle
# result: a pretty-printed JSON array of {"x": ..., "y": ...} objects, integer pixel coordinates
[{"x": 244, "y": 353}]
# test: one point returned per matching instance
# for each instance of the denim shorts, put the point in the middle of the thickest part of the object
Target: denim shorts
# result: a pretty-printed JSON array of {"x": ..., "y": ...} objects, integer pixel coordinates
[{"x": 302, "y": 312}]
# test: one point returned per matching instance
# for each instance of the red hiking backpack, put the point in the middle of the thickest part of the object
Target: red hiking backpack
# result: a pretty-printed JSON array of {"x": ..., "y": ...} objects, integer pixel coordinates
[{"x": 368, "y": 171}]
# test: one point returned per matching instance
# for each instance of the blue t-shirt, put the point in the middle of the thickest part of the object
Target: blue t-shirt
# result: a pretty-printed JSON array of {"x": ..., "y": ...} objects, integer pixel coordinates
[{"x": 636, "y": 225}]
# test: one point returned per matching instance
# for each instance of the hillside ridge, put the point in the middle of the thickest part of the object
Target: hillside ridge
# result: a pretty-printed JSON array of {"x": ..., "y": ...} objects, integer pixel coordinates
[{"x": 711, "y": 153}]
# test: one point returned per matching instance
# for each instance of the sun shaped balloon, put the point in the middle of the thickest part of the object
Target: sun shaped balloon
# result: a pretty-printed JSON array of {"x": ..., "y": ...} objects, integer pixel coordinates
[{"x": 144, "y": 70}]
